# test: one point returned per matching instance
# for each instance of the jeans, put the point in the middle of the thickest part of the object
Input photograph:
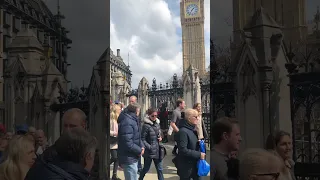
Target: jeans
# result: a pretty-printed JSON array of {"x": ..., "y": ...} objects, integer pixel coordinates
[
  {"x": 130, "y": 171},
  {"x": 146, "y": 168},
  {"x": 114, "y": 160}
]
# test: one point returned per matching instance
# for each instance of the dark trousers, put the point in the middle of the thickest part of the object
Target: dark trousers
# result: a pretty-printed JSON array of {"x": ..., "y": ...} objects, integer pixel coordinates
[
  {"x": 146, "y": 168},
  {"x": 139, "y": 164},
  {"x": 114, "y": 160},
  {"x": 194, "y": 176},
  {"x": 174, "y": 151}
]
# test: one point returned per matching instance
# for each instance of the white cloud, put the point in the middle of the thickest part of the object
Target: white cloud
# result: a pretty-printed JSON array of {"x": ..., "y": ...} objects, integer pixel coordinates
[{"x": 147, "y": 30}]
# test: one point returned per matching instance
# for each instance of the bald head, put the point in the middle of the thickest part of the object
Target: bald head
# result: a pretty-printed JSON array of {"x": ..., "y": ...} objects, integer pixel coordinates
[
  {"x": 39, "y": 132},
  {"x": 40, "y": 137},
  {"x": 132, "y": 99},
  {"x": 32, "y": 130},
  {"x": 74, "y": 118}
]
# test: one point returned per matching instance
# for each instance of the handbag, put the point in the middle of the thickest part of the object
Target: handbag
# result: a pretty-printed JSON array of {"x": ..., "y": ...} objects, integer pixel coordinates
[
  {"x": 113, "y": 140},
  {"x": 162, "y": 151}
]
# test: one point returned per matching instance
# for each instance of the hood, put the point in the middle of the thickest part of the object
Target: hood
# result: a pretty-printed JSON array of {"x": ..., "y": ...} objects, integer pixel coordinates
[
  {"x": 148, "y": 121},
  {"x": 76, "y": 170}
]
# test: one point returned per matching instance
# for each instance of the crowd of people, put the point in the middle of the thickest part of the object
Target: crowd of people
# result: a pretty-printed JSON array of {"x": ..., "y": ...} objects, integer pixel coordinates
[
  {"x": 26, "y": 154},
  {"x": 274, "y": 162},
  {"x": 133, "y": 136}
]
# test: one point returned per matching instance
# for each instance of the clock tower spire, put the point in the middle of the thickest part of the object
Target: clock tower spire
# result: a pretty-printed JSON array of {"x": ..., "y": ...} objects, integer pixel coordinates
[{"x": 192, "y": 25}]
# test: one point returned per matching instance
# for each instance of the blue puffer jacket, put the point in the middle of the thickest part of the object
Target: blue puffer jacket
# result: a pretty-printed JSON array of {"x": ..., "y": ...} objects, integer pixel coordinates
[{"x": 129, "y": 138}]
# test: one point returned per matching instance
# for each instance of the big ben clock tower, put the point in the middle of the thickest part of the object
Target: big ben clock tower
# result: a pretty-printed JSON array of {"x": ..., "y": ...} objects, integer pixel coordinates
[{"x": 192, "y": 24}]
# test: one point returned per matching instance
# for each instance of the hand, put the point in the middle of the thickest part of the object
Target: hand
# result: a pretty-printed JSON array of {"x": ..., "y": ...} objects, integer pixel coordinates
[
  {"x": 160, "y": 139},
  {"x": 142, "y": 152},
  {"x": 202, "y": 156}
]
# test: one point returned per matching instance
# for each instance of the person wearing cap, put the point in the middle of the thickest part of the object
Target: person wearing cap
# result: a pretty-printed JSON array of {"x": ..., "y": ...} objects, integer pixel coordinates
[{"x": 22, "y": 129}]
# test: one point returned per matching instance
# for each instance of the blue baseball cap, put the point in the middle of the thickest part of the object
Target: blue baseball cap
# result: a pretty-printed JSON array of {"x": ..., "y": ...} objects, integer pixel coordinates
[
  {"x": 22, "y": 128},
  {"x": 116, "y": 102}
]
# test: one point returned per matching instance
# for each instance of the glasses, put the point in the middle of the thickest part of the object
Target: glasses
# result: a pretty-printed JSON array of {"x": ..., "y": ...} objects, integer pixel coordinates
[
  {"x": 154, "y": 116},
  {"x": 274, "y": 175}
]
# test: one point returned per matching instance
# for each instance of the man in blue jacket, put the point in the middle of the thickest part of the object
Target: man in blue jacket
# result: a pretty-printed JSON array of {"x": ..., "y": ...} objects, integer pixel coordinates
[{"x": 130, "y": 146}]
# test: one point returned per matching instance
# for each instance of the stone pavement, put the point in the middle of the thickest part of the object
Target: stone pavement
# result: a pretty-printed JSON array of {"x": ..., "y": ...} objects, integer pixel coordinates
[{"x": 169, "y": 170}]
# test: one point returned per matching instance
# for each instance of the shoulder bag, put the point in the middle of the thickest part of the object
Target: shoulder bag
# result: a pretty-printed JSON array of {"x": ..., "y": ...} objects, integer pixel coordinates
[{"x": 162, "y": 149}]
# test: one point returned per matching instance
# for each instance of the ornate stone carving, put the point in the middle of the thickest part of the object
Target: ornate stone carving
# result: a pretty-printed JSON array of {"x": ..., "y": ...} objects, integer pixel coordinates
[{"x": 248, "y": 73}]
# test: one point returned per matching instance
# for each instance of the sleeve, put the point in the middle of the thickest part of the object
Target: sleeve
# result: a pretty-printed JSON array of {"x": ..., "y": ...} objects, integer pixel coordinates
[
  {"x": 126, "y": 134},
  {"x": 144, "y": 134},
  {"x": 174, "y": 117},
  {"x": 182, "y": 142}
]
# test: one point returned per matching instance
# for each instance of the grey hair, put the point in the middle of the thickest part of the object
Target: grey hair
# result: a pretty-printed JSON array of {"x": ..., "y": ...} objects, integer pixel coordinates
[
  {"x": 133, "y": 107},
  {"x": 74, "y": 144}
]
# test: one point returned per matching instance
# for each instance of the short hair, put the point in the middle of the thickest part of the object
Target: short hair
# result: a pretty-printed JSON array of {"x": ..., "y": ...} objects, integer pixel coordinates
[
  {"x": 190, "y": 112},
  {"x": 135, "y": 97},
  {"x": 274, "y": 138},
  {"x": 151, "y": 110},
  {"x": 258, "y": 161},
  {"x": 220, "y": 126},
  {"x": 179, "y": 101},
  {"x": 133, "y": 107},
  {"x": 74, "y": 144},
  {"x": 71, "y": 113}
]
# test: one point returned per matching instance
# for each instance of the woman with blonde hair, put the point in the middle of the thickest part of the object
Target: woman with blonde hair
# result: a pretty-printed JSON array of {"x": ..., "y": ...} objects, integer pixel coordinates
[
  {"x": 114, "y": 114},
  {"x": 200, "y": 127},
  {"x": 187, "y": 141},
  {"x": 18, "y": 158}
]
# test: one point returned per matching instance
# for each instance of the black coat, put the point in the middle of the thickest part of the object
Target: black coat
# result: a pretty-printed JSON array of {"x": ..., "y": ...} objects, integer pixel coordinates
[
  {"x": 129, "y": 138},
  {"x": 42, "y": 171},
  {"x": 50, "y": 154},
  {"x": 149, "y": 136},
  {"x": 188, "y": 149}
]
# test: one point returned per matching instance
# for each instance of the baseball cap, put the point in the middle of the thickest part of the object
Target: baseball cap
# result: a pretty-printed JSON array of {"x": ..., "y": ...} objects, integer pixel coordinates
[{"x": 21, "y": 129}]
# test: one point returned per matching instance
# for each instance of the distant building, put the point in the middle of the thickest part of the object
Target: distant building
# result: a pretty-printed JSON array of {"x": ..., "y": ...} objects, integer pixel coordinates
[
  {"x": 120, "y": 76},
  {"x": 117, "y": 65},
  {"x": 33, "y": 63}
]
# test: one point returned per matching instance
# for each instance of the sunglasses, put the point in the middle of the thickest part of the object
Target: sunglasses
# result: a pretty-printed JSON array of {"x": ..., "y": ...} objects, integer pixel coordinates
[
  {"x": 154, "y": 116},
  {"x": 274, "y": 175}
]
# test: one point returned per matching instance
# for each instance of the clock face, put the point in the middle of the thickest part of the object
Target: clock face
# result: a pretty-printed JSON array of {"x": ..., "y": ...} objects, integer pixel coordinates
[{"x": 192, "y": 9}]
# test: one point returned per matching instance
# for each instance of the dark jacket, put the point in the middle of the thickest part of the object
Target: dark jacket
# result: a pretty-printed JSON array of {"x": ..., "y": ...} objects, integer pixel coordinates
[
  {"x": 129, "y": 138},
  {"x": 188, "y": 150},
  {"x": 50, "y": 154},
  {"x": 149, "y": 136},
  {"x": 42, "y": 170}
]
